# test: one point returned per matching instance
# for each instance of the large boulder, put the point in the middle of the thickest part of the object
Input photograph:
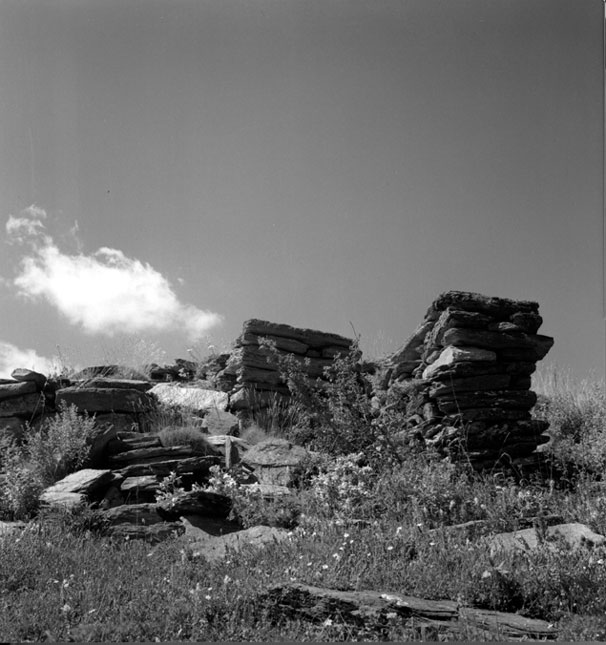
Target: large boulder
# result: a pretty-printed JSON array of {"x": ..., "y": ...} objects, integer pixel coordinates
[{"x": 275, "y": 461}]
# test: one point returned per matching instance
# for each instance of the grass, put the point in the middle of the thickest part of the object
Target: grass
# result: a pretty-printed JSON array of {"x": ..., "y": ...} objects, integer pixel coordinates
[{"x": 62, "y": 580}]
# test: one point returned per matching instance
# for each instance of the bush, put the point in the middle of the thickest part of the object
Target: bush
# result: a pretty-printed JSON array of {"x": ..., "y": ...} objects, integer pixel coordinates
[{"x": 59, "y": 447}]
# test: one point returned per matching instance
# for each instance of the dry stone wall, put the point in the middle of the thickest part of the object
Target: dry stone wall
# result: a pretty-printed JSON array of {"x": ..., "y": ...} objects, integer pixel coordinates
[
  {"x": 255, "y": 369},
  {"x": 469, "y": 365}
]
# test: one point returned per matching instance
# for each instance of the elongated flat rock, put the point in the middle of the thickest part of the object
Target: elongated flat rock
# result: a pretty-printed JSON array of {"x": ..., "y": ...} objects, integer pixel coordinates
[
  {"x": 153, "y": 534},
  {"x": 23, "y": 374},
  {"x": 86, "y": 481},
  {"x": 501, "y": 308},
  {"x": 284, "y": 344},
  {"x": 160, "y": 452},
  {"x": 494, "y": 340},
  {"x": 103, "y": 399},
  {"x": 196, "y": 502},
  {"x": 311, "y": 337},
  {"x": 193, "y": 398},
  {"x": 16, "y": 388},
  {"x": 195, "y": 465},
  {"x": 133, "y": 514},
  {"x": 522, "y": 399}
]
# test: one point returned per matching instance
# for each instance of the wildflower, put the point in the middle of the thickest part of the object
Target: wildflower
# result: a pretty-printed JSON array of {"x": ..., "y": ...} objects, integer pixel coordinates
[
  {"x": 327, "y": 623},
  {"x": 345, "y": 536},
  {"x": 207, "y": 597},
  {"x": 325, "y": 566},
  {"x": 66, "y": 608},
  {"x": 486, "y": 574},
  {"x": 398, "y": 530},
  {"x": 226, "y": 580},
  {"x": 390, "y": 548}
]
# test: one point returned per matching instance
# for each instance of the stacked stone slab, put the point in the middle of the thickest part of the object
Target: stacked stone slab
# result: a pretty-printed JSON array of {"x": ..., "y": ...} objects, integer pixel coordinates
[
  {"x": 24, "y": 399},
  {"x": 258, "y": 379},
  {"x": 470, "y": 363}
]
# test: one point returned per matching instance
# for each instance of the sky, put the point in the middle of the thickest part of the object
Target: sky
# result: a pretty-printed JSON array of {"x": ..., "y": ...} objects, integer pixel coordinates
[{"x": 172, "y": 168}]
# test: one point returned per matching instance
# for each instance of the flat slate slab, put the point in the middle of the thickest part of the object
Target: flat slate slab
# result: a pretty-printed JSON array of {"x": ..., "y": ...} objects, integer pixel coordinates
[
  {"x": 86, "y": 481},
  {"x": 192, "y": 398}
]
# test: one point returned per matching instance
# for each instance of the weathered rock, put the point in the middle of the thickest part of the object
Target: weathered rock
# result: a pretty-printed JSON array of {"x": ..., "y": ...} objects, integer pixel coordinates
[
  {"x": 451, "y": 355},
  {"x": 528, "y": 322},
  {"x": 500, "y": 308},
  {"x": 313, "y": 338},
  {"x": 370, "y": 609},
  {"x": 220, "y": 422},
  {"x": 11, "y": 528},
  {"x": 195, "y": 502},
  {"x": 112, "y": 498},
  {"x": 412, "y": 349},
  {"x": 22, "y": 406},
  {"x": 192, "y": 398},
  {"x": 64, "y": 500},
  {"x": 132, "y": 440},
  {"x": 9, "y": 390},
  {"x": 140, "y": 485},
  {"x": 87, "y": 481},
  {"x": 572, "y": 536},
  {"x": 275, "y": 461},
  {"x": 455, "y": 318},
  {"x": 103, "y": 399},
  {"x": 25, "y": 375},
  {"x": 214, "y": 548},
  {"x": 245, "y": 399}
]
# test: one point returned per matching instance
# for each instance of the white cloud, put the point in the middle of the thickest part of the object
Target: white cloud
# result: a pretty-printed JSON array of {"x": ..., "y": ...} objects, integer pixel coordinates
[
  {"x": 11, "y": 357},
  {"x": 103, "y": 293}
]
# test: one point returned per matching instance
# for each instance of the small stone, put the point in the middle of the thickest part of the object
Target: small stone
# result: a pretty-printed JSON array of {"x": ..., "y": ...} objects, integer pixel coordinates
[
  {"x": 25, "y": 375},
  {"x": 451, "y": 355}
]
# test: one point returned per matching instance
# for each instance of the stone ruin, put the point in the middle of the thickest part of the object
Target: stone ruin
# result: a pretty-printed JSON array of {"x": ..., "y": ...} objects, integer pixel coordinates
[
  {"x": 463, "y": 378},
  {"x": 255, "y": 369},
  {"x": 468, "y": 367}
]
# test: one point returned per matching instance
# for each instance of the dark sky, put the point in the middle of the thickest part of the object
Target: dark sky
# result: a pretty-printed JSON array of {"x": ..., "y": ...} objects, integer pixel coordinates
[{"x": 318, "y": 163}]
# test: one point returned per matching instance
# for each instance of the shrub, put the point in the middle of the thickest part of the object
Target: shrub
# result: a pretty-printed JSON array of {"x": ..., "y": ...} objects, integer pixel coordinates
[
  {"x": 576, "y": 412},
  {"x": 59, "y": 447}
]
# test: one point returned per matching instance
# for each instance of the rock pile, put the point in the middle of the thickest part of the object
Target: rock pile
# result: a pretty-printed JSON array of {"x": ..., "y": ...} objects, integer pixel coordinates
[
  {"x": 469, "y": 364},
  {"x": 256, "y": 369}
]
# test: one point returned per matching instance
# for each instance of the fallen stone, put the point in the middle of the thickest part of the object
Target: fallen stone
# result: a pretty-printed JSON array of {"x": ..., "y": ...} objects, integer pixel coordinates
[
  {"x": 528, "y": 322},
  {"x": 214, "y": 548},
  {"x": 103, "y": 399},
  {"x": 572, "y": 536},
  {"x": 25, "y": 375},
  {"x": 371, "y": 608},
  {"x": 87, "y": 481},
  {"x": 220, "y": 422},
  {"x": 455, "y": 318},
  {"x": 17, "y": 388},
  {"x": 192, "y": 398},
  {"x": 275, "y": 461}
]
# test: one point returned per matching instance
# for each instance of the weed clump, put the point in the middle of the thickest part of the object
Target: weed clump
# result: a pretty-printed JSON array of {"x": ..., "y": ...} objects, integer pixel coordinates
[{"x": 59, "y": 447}]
